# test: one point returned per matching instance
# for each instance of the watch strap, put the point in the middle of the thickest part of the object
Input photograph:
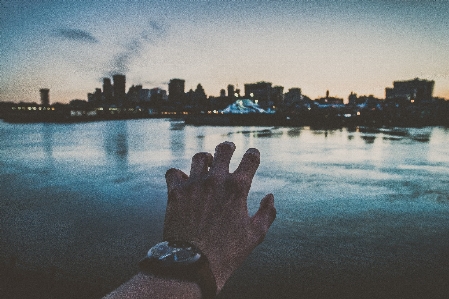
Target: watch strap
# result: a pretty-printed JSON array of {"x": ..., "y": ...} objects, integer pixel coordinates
[{"x": 198, "y": 272}]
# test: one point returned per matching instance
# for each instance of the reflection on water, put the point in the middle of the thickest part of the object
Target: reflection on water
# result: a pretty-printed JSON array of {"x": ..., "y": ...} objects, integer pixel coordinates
[
  {"x": 368, "y": 139},
  {"x": 47, "y": 137},
  {"x": 177, "y": 139},
  {"x": 115, "y": 142},
  {"x": 295, "y": 132}
]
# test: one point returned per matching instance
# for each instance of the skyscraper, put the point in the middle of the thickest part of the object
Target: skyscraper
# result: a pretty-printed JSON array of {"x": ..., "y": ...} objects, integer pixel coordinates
[
  {"x": 176, "y": 91},
  {"x": 119, "y": 89},
  {"x": 107, "y": 90},
  {"x": 231, "y": 91},
  {"x": 45, "y": 96},
  {"x": 260, "y": 92}
]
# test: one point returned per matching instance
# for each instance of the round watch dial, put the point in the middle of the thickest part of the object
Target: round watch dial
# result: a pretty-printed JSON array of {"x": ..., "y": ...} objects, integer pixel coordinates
[{"x": 174, "y": 253}]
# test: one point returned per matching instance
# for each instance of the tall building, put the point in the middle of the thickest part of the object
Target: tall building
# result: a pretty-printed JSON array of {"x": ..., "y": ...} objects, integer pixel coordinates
[
  {"x": 231, "y": 91},
  {"x": 119, "y": 89},
  {"x": 176, "y": 91},
  {"x": 260, "y": 92},
  {"x": 277, "y": 95},
  {"x": 415, "y": 90},
  {"x": 107, "y": 91},
  {"x": 45, "y": 96}
]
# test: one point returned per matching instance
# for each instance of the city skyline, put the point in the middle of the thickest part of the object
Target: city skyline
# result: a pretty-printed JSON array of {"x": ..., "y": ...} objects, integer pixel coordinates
[{"x": 343, "y": 47}]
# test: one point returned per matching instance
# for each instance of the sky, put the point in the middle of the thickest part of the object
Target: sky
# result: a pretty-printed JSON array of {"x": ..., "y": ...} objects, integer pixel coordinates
[{"x": 340, "y": 46}]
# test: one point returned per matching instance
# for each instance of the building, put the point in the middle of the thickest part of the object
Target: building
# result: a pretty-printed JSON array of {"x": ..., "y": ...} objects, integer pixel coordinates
[
  {"x": 119, "y": 89},
  {"x": 45, "y": 96},
  {"x": 176, "y": 91},
  {"x": 231, "y": 91},
  {"x": 293, "y": 97},
  {"x": 107, "y": 91},
  {"x": 415, "y": 90},
  {"x": 260, "y": 93},
  {"x": 264, "y": 94},
  {"x": 144, "y": 95},
  {"x": 158, "y": 96},
  {"x": 277, "y": 95},
  {"x": 133, "y": 95},
  {"x": 328, "y": 100}
]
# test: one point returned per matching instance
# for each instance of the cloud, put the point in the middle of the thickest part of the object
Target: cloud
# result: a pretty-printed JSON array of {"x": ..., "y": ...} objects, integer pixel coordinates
[
  {"x": 121, "y": 62},
  {"x": 76, "y": 35}
]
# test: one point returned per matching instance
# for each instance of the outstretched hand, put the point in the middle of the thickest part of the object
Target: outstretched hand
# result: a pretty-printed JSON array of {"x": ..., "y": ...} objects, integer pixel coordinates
[{"x": 209, "y": 209}]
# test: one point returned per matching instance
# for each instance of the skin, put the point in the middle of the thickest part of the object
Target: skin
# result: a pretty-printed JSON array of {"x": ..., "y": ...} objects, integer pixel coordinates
[{"x": 209, "y": 209}]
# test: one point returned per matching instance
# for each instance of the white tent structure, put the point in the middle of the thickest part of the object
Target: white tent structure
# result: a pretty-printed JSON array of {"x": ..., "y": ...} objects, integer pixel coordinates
[{"x": 244, "y": 106}]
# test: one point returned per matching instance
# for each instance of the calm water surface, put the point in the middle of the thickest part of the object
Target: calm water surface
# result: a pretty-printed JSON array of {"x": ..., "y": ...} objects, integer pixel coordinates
[{"x": 359, "y": 211}]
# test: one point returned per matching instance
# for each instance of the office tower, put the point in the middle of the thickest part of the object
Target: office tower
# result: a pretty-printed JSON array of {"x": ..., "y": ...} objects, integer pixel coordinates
[
  {"x": 231, "y": 91},
  {"x": 176, "y": 91},
  {"x": 260, "y": 92},
  {"x": 107, "y": 90},
  {"x": 119, "y": 89},
  {"x": 45, "y": 96},
  {"x": 97, "y": 96}
]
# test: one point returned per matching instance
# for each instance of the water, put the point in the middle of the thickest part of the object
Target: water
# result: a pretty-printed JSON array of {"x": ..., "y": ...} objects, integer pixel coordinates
[{"x": 361, "y": 213}]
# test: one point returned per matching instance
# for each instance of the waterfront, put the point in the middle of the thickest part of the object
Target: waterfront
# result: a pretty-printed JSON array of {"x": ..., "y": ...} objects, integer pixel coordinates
[{"x": 361, "y": 213}]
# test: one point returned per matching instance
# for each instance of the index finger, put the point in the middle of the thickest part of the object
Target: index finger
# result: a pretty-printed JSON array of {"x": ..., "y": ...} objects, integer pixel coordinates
[{"x": 222, "y": 158}]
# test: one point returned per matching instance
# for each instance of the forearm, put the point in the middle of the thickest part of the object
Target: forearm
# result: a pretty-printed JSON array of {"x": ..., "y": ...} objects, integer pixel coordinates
[{"x": 148, "y": 286}]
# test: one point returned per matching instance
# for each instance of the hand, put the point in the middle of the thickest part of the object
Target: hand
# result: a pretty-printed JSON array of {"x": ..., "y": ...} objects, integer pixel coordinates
[{"x": 209, "y": 209}]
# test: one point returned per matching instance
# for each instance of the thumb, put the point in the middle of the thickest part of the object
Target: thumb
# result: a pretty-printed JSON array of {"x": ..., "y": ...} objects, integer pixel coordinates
[{"x": 264, "y": 217}]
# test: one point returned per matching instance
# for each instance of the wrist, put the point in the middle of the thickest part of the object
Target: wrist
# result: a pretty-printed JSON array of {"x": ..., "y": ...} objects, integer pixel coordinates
[
  {"x": 181, "y": 261},
  {"x": 221, "y": 270}
]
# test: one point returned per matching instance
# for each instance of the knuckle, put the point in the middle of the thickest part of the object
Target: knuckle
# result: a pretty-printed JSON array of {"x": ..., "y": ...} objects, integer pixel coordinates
[
  {"x": 240, "y": 182},
  {"x": 200, "y": 156}
]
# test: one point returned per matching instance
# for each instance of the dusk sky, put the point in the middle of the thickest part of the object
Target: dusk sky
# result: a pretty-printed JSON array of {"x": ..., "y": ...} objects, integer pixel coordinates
[{"x": 340, "y": 46}]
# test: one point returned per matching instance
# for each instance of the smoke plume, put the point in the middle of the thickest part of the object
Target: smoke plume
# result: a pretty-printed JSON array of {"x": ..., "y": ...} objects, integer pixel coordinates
[{"x": 121, "y": 62}]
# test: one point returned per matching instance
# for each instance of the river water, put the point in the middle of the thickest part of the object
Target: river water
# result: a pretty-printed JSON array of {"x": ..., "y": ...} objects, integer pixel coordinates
[{"x": 361, "y": 213}]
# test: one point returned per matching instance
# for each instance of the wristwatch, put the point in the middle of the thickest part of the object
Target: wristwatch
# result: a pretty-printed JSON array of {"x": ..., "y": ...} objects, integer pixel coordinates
[{"x": 180, "y": 260}]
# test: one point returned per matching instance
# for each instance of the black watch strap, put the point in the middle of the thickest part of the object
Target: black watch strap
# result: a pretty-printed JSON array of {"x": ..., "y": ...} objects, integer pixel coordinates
[{"x": 198, "y": 272}]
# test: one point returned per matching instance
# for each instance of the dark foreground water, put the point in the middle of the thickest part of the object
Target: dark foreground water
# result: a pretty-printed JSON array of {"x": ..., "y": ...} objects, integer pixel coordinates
[{"x": 361, "y": 213}]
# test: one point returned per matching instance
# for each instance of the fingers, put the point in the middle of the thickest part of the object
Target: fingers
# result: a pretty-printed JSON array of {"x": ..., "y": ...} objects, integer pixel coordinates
[
  {"x": 264, "y": 217},
  {"x": 249, "y": 164},
  {"x": 200, "y": 164},
  {"x": 174, "y": 178},
  {"x": 223, "y": 155}
]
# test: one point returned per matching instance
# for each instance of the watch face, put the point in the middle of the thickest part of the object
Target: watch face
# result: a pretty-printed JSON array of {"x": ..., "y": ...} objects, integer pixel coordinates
[{"x": 168, "y": 253}]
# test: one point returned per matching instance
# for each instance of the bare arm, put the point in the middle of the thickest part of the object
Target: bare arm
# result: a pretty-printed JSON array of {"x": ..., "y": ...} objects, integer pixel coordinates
[{"x": 145, "y": 286}]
